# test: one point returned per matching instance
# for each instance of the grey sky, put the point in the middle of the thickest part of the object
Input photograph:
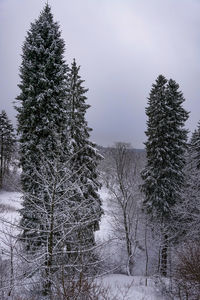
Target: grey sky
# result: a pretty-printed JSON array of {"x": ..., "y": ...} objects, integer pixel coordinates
[{"x": 122, "y": 46}]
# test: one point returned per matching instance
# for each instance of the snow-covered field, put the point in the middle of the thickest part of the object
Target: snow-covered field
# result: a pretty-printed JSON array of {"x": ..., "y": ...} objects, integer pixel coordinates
[{"x": 119, "y": 286}]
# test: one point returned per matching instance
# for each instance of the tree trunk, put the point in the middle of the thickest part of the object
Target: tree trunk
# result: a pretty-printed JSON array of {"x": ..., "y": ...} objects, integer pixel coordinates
[
  {"x": 164, "y": 253},
  {"x": 11, "y": 271},
  {"x": 130, "y": 262},
  {"x": 49, "y": 257},
  {"x": 146, "y": 253}
]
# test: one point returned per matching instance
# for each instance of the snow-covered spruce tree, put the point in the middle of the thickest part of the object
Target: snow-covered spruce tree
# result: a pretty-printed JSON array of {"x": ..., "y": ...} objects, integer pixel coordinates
[
  {"x": 165, "y": 147},
  {"x": 188, "y": 213},
  {"x": 41, "y": 122},
  {"x": 195, "y": 146},
  {"x": 7, "y": 143},
  {"x": 84, "y": 161}
]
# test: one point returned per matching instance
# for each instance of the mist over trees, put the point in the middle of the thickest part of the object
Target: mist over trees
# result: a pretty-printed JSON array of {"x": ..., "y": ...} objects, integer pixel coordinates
[{"x": 146, "y": 201}]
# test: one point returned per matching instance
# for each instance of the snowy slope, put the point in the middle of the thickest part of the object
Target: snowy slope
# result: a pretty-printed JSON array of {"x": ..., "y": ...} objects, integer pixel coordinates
[
  {"x": 122, "y": 287},
  {"x": 12, "y": 199},
  {"x": 10, "y": 202},
  {"x": 105, "y": 231}
]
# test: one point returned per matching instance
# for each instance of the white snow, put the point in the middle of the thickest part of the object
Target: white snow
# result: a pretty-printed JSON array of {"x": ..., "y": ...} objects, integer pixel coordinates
[
  {"x": 105, "y": 231},
  {"x": 122, "y": 287},
  {"x": 11, "y": 198},
  {"x": 10, "y": 202}
]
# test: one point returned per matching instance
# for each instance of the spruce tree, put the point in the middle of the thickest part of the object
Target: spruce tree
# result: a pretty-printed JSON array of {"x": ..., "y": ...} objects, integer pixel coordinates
[
  {"x": 188, "y": 213},
  {"x": 7, "y": 143},
  {"x": 165, "y": 147},
  {"x": 195, "y": 146},
  {"x": 84, "y": 160},
  {"x": 42, "y": 121}
]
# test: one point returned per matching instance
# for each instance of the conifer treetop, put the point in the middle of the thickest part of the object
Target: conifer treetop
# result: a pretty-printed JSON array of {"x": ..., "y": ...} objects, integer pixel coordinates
[{"x": 43, "y": 85}]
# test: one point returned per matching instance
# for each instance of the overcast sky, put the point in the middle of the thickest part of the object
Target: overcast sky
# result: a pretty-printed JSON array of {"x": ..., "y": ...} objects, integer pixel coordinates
[{"x": 122, "y": 46}]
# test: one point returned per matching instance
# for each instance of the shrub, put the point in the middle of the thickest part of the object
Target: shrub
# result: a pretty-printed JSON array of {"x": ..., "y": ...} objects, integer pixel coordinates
[{"x": 187, "y": 272}]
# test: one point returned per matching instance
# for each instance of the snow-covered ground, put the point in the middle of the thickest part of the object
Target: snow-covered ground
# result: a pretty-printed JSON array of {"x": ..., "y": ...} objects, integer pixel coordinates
[
  {"x": 10, "y": 202},
  {"x": 12, "y": 199},
  {"x": 119, "y": 286},
  {"x": 125, "y": 287},
  {"x": 105, "y": 231}
]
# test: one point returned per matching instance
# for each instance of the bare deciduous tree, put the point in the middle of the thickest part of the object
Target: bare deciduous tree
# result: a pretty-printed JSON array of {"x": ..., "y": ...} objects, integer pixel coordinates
[{"x": 123, "y": 185}]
